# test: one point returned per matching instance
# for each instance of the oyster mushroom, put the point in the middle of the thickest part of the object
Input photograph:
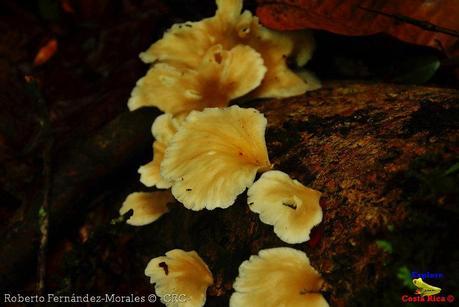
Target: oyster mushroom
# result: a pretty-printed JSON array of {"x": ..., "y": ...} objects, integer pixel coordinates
[
  {"x": 221, "y": 76},
  {"x": 184, "y": 45},
  {"x": 163, "y": 129},
  {"x": 285, "y": 203},
  {"x": 147, "y": 207},
  {"x": 181, "y": 278},
  {"x": 278, "y": 277},
  {"x": 303, "y": 46},
  {"x": 149, "y": 173},
  {"x": 215, "y": 156}
]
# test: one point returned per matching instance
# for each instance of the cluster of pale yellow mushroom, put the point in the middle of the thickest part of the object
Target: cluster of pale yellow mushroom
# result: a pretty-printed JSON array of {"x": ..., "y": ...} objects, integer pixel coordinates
[{"x": 207, "y": 152}]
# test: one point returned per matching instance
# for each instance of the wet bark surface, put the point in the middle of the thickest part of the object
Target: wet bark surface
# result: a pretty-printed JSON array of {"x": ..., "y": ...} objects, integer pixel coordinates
[{"x": 382, "y": 155}]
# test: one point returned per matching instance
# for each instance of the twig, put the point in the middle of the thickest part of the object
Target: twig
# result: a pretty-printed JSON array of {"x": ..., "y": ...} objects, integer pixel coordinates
[
  {"x": 415, "y": 22},
  {"x": 44, "y": 218},
  {"x": 43, "y": 213}
]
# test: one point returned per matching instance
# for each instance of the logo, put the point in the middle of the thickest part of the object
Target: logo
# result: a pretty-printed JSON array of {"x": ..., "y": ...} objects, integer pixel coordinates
[
  {"x": 425, "y": 292},
  {"x": 424, "y": 289}
]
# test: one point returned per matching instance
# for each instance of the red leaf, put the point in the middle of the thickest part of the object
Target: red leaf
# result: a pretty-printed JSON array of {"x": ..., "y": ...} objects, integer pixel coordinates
[
  {"x": 67, "y": 6},
  {"x": 46, "y": 52},
  {"x": 365, "y": 17}
]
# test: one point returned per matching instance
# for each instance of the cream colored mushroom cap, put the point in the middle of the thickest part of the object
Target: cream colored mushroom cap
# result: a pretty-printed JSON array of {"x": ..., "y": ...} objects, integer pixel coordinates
[
  {"x": 278, "y": 277},
  {"x": 147, "y": 207},
  {"x": 304, "y": 45},
  {"x": 184, "y": 45},
  {"x": 289, "y": 206},
  {"x": 180, "y": 273},
  {"x": 150, "y": 174},
  {"x": 163, "y": 129},
  {"x": 222, "y": 75},
  {"x": 215, "y": 156}
]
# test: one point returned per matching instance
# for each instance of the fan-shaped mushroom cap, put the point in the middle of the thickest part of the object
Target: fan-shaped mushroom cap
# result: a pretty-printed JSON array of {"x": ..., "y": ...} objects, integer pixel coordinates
[
  {"x": 184, "y": 45},
  {"x": 150, "y": 174},
  {"x": 279, "y": 80},
  {"x": 147, "y": 207},
  {"x": 222, "y": 75},
  {"x": 163, "y": 129},
  {"x": 215, "y": 156},
  {"x": 291, "y": 207},
  {"x": 180, "y": 273},
  {"x": 304, "y": 45},
  {"x": 278, "y": 277}
]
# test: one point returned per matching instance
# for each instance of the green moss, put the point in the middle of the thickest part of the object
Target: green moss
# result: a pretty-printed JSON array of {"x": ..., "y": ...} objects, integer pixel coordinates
[
  {"x": 404, "y": 275},
  {"x": 385, "y": 246}
]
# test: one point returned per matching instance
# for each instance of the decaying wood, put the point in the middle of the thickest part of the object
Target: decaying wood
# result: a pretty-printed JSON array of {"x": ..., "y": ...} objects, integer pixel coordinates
[
  {"x": 381, "y": 154},
  {"x": 363, "y": 146}
]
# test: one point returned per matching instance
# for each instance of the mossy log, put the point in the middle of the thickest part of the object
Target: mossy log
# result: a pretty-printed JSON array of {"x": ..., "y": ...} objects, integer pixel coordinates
[{"x": 383, "y": 156}]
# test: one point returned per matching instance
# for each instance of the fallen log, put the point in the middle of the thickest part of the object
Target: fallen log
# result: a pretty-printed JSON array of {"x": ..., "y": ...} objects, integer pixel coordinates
[
  {"x": 383, "y": 155},
  {"x": 385, "y": 158}
]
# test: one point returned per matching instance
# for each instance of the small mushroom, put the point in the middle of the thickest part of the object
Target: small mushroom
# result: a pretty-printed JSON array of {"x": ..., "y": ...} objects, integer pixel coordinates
[
  {"x": 303, "y": 46},
  {"x": 289, "y": 206},
  {"x": 222, "y": 76},
  {"x": 181, "y": 278},
  {"x": 215, "y": 156},
  {"x": 147, "y": 207},
  {"x": 150, "y": 174},
  {"x": 277, "y": 277},
  {"x": 309, "y": 78},
  {"x": 163, "y": 128},
  {"x": 280, "y": 81},
  {"x": 184, "y": 45}
]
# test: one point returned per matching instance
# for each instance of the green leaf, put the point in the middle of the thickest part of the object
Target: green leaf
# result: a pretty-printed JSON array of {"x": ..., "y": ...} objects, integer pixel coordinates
[
  {"x": 404, "y": 275},
  {"x": 452, "y": 169},
  {"x": 416, "y": 70},
  {"x": 385, "y": 246}
]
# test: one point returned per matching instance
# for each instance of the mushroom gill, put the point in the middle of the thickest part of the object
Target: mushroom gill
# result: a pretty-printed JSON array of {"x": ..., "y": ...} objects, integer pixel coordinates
[
  {"x": 181, "y": 275},
  {"x": 163, "y": 129},
  {"x": 221, "y": 76},
  {"x": 285, "y": 203},
  {"x": 278, "y": 277},
  {"x": 147, "y": 206},
  {"x": 184, "y": 45},
  {"x": 215, "y": 156}
]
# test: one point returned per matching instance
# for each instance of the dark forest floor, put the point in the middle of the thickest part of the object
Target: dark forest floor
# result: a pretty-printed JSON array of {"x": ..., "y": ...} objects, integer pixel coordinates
[{"x": 384, "y": 155}]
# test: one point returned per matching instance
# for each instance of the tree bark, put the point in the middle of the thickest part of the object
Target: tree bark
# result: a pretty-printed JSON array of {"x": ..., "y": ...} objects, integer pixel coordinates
[{"x": 383, "y": 155}]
